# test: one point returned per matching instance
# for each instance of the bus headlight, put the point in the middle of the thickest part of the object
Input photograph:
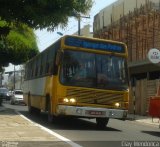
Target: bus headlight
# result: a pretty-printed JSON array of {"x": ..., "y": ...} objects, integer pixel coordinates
[
  {"x": 72, "y": 100},
  {"x": 69, "y": 100},
  {"x": 117, "y": 104},
  {"x": 66, "y": 100}
]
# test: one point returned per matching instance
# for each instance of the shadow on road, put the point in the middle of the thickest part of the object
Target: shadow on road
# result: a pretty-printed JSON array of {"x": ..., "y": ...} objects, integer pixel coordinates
[
  {"x": 66, "y": 123},
  {"x": 153, "y": 133},
  {"x": 7, "y": 111}
]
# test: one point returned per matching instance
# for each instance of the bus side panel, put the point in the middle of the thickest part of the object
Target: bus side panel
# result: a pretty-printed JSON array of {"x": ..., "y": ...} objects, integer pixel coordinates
[{"x": 36, "y": 88}]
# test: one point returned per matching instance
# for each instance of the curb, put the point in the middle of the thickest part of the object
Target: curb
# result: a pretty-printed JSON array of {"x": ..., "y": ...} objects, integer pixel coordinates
[{"x": 145, "y": 120}]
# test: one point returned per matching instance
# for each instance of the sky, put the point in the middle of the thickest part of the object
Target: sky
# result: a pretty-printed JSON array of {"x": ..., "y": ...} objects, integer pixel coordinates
[{"x": 45, "y": 38}]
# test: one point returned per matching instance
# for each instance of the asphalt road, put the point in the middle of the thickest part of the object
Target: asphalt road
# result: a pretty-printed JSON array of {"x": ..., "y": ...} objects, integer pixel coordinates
[{"x": 84, "y": 131}]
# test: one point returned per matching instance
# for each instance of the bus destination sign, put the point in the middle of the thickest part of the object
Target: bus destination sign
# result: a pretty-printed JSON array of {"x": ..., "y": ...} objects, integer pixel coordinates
[{"x": 92, "y": 44}]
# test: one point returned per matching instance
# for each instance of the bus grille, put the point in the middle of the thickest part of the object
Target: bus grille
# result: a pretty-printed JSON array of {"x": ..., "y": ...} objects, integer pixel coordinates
[{"x": 94, "y": 96}]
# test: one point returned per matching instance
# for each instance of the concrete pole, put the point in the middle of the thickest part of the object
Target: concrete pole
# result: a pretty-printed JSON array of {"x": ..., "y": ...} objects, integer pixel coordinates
[
  {"x": 14, "y": 81},
  {"x": 1, "y": 77},
  {"x": 79, "y": 25}
]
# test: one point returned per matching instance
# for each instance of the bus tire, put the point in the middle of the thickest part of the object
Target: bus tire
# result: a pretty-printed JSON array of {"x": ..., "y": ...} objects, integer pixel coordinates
[
  {"x": 102, "y": 122},
  {"x": 30, "y": 108},
  {"x": 50, "y": 116}
]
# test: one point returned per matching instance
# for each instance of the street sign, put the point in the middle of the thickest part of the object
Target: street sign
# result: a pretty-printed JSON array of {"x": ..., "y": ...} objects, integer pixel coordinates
[{"x": 154, "y": 55}]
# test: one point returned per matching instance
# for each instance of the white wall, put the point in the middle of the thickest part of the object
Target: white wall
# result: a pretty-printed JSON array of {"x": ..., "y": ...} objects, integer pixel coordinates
[{"x": 117, "y": 10}]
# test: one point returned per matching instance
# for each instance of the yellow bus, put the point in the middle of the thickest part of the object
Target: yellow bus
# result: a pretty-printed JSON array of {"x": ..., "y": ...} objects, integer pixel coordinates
[{"x": 79, "y": 77}]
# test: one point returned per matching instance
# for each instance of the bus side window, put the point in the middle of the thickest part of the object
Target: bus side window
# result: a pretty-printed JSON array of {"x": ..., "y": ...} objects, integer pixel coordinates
[
  {"x": 36, "y": 71},
  {"x": 51, "y": 60},
  {"x": 47, "y": 68},
  {"x": 38, "y": 66},
  {"x": 35, "y": 67},
  {"x": 55, "y": 67},
  {"x": 41, "y": 66},
  {"x": 28, "y": 70},
  {"x": 41, "y": 70},
  {"x": 50, "y": 67},
  {"x": 43, "y": 63},
  {"x": 32, "y": 70}
]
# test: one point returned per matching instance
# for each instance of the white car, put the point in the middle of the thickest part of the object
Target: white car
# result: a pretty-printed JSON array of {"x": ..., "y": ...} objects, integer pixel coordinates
[{"x": 17, "y": 97}]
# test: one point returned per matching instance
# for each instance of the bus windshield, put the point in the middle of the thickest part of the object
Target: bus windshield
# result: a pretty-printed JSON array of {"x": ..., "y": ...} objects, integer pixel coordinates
[{"x": 93, "y": 70}]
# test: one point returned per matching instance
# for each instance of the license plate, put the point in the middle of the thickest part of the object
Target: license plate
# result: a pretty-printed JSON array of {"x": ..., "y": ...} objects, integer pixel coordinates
[{"x": 91, "y": 112}]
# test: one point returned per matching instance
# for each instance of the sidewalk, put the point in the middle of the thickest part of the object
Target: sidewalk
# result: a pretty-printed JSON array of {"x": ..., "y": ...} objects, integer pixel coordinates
[
  {"x": 15, "y": 128},
  {"x": 145, "y": 120}
]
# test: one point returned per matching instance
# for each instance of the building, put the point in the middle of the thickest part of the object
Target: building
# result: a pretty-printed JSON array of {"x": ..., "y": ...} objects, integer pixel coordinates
[
  {"x": 137, "y": 23},
  {"x": 85, "y": 31},
  {"x": 13, "y": 79}
]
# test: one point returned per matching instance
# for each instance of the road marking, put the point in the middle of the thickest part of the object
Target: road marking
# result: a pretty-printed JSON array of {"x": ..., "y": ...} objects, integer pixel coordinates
[{"x": 50, "y": 131}]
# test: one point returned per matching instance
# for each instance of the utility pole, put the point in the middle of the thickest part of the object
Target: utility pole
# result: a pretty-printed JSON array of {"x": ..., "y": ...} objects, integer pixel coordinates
[
  {"x": 79, "y": 22},
  {"x": 78, "y": 16},
  {"x": 14, "y": 81},
  {"x": 1, "y": 77},
  {"x": 79, "y": 25}
]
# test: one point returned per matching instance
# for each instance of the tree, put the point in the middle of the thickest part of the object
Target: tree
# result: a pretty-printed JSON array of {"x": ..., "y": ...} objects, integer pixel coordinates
[
  {"x": 18, "y": 46},
  {"x": 17, "y": 17},
  {"x": 42, "y": 13}
]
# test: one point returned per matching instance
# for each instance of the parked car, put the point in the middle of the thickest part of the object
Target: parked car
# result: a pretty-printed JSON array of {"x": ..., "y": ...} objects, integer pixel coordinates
[
  {"x": 4, "y": 94},
  {"x": 17, "y": 97}
]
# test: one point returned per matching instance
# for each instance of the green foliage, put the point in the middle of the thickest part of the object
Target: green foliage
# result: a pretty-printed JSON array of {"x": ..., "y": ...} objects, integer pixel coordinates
[
  {"x": 42, "y": 13},
  {"x": 18, "y": 46},
  {"x": 17, "y": 17}
]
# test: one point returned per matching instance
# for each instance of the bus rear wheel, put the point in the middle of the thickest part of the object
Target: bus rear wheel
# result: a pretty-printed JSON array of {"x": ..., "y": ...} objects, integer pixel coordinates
[
  {"x": 30, "y": 108},
  {"x": 102, "y": 122},
  {"x": 50, "y": 115}
]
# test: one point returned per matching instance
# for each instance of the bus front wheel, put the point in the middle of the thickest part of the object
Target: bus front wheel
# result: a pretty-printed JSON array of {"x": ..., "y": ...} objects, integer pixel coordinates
[
  {"x": 50, "y": 115},
  {"x": 102, "y": 122}
]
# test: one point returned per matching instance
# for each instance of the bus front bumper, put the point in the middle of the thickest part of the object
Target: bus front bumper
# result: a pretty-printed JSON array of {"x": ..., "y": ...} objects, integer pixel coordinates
[{"x": 91, "y": 112}]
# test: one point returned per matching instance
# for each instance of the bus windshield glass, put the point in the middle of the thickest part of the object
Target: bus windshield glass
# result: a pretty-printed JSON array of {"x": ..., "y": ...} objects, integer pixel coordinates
[{"x": 103, "y": 71}]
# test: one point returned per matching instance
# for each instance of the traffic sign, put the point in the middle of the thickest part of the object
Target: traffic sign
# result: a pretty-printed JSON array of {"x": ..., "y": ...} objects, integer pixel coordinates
[{"x": 154, "y": 55}]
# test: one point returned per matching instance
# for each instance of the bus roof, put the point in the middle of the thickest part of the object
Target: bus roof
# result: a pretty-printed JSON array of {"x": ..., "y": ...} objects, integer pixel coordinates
[{"x": 88, "y": 43}]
